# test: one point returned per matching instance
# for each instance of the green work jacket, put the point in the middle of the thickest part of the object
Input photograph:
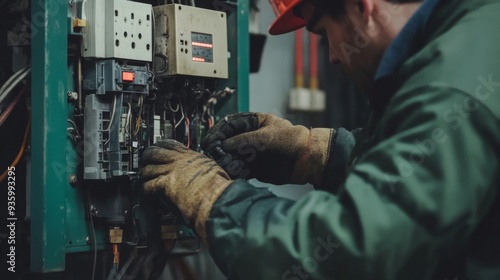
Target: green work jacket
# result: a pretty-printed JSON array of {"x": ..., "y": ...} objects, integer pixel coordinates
[{"x": 418, "y": 195}]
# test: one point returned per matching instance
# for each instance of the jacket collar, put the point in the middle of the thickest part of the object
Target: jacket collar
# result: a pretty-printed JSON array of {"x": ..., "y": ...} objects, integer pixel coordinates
[{"x": 407, "y": 43}]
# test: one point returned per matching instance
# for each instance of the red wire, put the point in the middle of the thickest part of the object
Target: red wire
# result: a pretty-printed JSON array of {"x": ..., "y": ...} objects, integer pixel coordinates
[
  {"x": 299, "y": 63},
  {"x": 313, "y": 60},
  {"x": 9, "y": 109}
]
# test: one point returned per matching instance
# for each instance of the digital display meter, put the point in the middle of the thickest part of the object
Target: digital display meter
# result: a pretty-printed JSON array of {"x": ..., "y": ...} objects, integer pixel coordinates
[{"x": 202, "y": 47}]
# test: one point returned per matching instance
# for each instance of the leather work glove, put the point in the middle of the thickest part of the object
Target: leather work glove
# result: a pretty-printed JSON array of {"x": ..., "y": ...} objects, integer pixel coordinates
[
  {"x": 271, "y": 149},
  {"x": 189, "y": 179}
]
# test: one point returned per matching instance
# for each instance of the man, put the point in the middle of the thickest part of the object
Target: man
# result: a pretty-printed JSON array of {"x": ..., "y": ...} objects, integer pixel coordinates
[{"x": 414, "y": 195}]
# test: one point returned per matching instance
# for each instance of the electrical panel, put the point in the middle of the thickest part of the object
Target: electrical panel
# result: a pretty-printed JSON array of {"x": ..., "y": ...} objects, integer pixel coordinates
[
  {"x": 131, "y": 101},
  {"x": 114, "y": 77},
  {"x": 190, "y": 41}
]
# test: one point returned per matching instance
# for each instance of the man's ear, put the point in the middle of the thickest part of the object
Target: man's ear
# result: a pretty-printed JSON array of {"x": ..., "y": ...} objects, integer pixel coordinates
[{"x": 366, "y": 7}]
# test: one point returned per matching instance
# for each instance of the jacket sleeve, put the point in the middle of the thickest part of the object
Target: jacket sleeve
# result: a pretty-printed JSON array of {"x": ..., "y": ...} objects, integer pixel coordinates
[
  {"x": 412, "y": 200},
  {"x": 341, "y": 146}
]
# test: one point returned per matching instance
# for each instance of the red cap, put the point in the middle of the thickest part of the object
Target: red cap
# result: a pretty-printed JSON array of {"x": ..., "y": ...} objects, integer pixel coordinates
[{"x": 286, "y": 20}]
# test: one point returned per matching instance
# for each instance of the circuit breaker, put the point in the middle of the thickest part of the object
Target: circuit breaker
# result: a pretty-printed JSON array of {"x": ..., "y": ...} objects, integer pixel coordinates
[
  {"x": 111, "y": 75},
  {"x": 190, "y": 41}
]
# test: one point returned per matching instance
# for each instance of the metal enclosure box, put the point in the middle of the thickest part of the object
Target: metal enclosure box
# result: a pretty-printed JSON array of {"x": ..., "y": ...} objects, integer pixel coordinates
[
  {"x": 117, "y": 29},
  {"x": 190, "y": 41}
]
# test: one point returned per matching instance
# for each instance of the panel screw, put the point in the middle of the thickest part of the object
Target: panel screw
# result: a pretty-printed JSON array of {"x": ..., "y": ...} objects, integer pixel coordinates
[
  {"x": 119, "y": 86},
  {"x": 87, "y": 239},
  {"x": 72, "y": 95},
  {"x": 73, "y": 179}
]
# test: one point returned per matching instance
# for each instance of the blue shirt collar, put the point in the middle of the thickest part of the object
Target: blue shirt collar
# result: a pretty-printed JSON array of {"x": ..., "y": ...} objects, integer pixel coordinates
[{"x": 403, "y": 45}]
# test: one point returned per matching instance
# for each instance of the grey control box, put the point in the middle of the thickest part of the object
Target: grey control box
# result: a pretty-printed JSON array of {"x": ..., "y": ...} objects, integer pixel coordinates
[
  {"x": 190, "y": 41},
  {"x": 117, "y": 29}
]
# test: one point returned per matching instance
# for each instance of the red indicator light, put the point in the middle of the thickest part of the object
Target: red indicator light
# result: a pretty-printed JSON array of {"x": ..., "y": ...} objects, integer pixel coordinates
[
  {"x": 203, "y": 45},
  {"x": 128, "y": 76}
]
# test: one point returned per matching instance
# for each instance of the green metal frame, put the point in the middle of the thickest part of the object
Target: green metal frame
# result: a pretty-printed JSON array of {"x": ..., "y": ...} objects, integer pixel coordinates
[
  {"x": 243, "y": 47},
  {"x": 239, "y": 63},
  {"x": 58, "y": 220},
  {"x": 48, "y": 134}
]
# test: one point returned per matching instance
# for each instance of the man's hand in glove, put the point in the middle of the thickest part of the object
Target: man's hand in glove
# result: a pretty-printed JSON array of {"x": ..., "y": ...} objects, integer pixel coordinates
[
  {"x": 273, "y": 150},
  {"x": 189, "y": 179}
]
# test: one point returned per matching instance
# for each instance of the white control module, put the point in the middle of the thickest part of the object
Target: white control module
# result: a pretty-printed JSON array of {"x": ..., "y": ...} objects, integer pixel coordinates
[{"x": 190, "y": 41}]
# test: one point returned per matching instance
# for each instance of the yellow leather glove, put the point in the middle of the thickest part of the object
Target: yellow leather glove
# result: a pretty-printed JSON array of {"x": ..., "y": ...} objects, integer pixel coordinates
[
  {"x": 189, "y": 179},
  {"x": 271, "y": 149}
]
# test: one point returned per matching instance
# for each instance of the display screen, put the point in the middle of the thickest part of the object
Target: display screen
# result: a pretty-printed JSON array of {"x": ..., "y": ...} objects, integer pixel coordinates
[{"x": 202, "y": 47}]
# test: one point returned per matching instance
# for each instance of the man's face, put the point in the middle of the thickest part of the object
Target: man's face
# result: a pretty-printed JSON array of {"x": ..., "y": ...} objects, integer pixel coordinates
[{"x": 349, "y": 41}]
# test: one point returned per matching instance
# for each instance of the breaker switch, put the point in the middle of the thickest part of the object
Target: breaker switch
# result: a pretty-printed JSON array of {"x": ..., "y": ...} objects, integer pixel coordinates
[{"x": 128, "y": 76}]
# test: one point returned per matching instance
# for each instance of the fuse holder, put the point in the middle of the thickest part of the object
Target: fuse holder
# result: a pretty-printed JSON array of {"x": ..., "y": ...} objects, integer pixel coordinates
[{"x": 115, "y": 235}]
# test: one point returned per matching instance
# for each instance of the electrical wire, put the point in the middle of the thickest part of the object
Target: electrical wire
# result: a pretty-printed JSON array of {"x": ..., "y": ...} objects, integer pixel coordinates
[
  {"x": 111, "y": 120},
  {"x": 7, "y": 88},
  {"x": 93, "y": 237},
  {"x": 80, "y": 78},
  {"x": 209, "y": 122},
  {"x": 72, "y": 123},
  {"x": 171, "y": 109},
  {"x": 137, "y": 126},
  {"x": 207, "y": 109},
  {"x": 12, "y": 105},
  {"x": 74, "y": 128},
  {"x": 21, "y": 150},
  {"x": 140, "y": 102},
  {"x": 13, "y": 78},
  {"x": 138, "y": 119},
  {"x": 182, "y": 118},
  {"x": 128, "y": 118},
  {"x": 188, "y": 132},
  {"x": 221, "y": 93},
  {"x": 116, "y": 257},
  {"x": 95, "y": 246},
  {"x": 112, "y": 114}
]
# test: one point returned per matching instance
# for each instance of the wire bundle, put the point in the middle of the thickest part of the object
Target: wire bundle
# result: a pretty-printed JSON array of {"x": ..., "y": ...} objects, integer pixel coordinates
[{"x": 5, "y": 91}]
